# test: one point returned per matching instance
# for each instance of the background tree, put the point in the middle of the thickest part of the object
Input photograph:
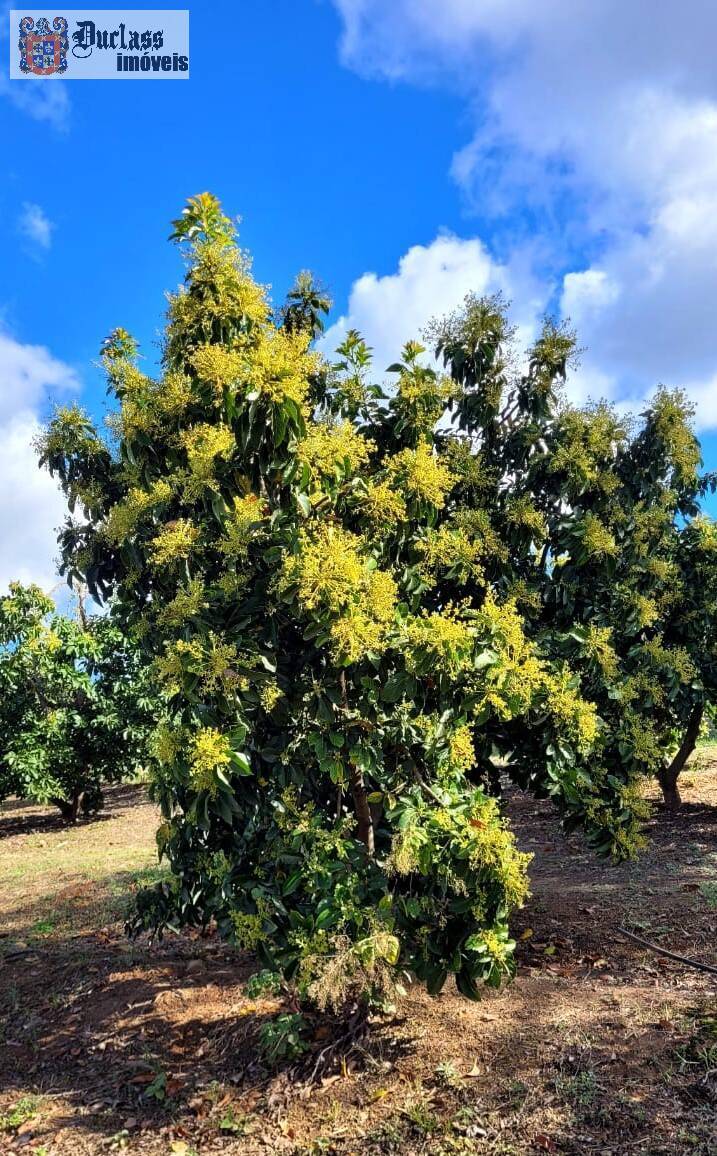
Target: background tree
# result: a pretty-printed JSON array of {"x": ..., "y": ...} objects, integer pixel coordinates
[
  {"x": 602, "y": 542},
  {"x": 307, "y": 563},
  {"x": 631, "y": 588},
  {"x": 75, "y": 704}
]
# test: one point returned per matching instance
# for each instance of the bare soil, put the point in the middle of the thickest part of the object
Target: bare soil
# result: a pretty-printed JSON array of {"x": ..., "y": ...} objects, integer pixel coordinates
[{"x": 599, "y": 1046}]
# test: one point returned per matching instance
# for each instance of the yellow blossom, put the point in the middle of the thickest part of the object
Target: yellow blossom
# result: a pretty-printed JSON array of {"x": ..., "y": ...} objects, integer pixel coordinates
[
  {"x": 332, "y": 573},
  {"x": 328, "y": 448},
  {"x": 598, "y": 645},
  {"x": 174, "y": 543},
  {"x": 450, "y": 549},
  {"x": 461, "y": 751},
  {"x": 187, "y": 603},
  {"x": 382, "y": 506},
  {"x": 123, "y": 517},
  {"x": 597, "y": 539},
  {"x": 280, "y": 366},
  {"x": 242, "y": 525},
  {"x": 421, "y": 475},
  {"x": 219, "y": 366},
  {"x": 444, "y": 637},
  {"x": 209, "y": 752},
  {"x": 204, "y": 444}
]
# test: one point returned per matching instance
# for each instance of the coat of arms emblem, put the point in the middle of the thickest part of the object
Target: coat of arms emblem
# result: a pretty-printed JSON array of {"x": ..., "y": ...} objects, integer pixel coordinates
[{"x": 43, "y": 50}]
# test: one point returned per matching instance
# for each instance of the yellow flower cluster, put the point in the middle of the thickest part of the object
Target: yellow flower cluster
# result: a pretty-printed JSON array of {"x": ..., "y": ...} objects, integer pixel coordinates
[
  {"x": 461, "y": 752},
  {"x": 242, "y": 525},
  {"x": 328, "y": 448},
  {"x": 187, "y": 603},
  {"x": 646, "y": 609},
  {"x": 147, "y": 405},
  {"x": 597, "y": 539},
  {"x": 166, "y": 743},
  {"x": 174, "y": 543},
  {"x": 572, "y": 712},
  {"x": 248, "y": 930},
  {"x": 71, "y": 426},
  {"x": 673, "y": 658},
  {"x": 477, "y": 525},
  {"x": 490, "y": 845},
  {"x": 522, "y": 513},
  {"x": 450, "y": 548},
  {"x": 364, "y": 628},
  {"x": 598, "y": 646},
  {"x": 671, "y": 414},
  {"x": 209, "y": 752},
  {"x": 646, "y": 746},
  {"x": 219, "y": 366},
  {"x": 588, "y": 439},
  {"x": 707, "y": 532},
  {"x": 204, "y": 444},
  {"x": 218, "y": 659},
  {"x": 444, "y": 637},
  {"x": 332, "y": 573},
  {"x": 505, "y": 626},
  {"x": 178, "y": 657},
  {"x": 123, "y": 517},
  {"x": 651, "y": 522},
  {"x": 519, "y": 676},
  {"x": 421, "y": 475},
  {"x": 520, "y": 679},
  {"x": 269, "y": 696},
  {"x": 498, "y": 949},
  {"x": 281, "y": 364},
  {"x": 423, "y": 394},
  {"x": 211, "y": 659},
  {"x": 329, "y": 569},
  {"x": 382, "y": 506},
  {"x": 224, "y": 292},
  {"x": 663, "y": 569},
  {"x": 172, "y": 395}
]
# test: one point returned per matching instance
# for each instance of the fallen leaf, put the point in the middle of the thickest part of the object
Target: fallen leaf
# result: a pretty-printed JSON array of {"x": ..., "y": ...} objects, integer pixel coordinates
[{"x": 544, "y": 1142}]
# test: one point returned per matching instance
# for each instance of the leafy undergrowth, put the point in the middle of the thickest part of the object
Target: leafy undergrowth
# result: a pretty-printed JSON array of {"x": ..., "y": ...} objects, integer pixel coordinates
[{"x": 598, "y": 1047}]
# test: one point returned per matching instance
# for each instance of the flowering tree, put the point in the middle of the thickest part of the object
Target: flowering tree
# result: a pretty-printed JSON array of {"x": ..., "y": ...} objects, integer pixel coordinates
[
  {"x": 632, "y": 594},
  {"x": 329, "y": 582},
  {"x": 74, "y": 704}
]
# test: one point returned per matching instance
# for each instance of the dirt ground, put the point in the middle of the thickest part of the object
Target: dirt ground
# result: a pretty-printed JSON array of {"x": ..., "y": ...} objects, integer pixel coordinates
[{"x": 599, "y": 1046}]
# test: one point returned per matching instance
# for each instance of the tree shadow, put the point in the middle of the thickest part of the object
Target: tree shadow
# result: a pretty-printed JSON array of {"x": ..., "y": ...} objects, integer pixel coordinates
[
  {"x": 19, "y": 817},
  {"x": 163, "y": 1041}
]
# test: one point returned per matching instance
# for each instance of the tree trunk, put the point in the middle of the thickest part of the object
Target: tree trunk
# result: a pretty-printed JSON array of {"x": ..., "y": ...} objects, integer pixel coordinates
[
  {"x": 364, "y": 819},
  {"x": 70, "y": 808},
  {"x": 364, "y": 828},
  {"x": 669, "y": 775}
]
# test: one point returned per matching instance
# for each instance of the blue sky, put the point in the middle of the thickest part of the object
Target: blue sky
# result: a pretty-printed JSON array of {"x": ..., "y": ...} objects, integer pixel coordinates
[{"x": 406, "y": 153}]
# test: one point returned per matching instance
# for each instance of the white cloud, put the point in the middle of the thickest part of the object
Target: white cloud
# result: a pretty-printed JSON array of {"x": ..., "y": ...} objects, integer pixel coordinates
[
  {"x": 431, "y": 280},
  {"x": 35, "y": 225},
  {"x": 43, "y": 101},
  {"x": 31, "y": 505},
  {"x": 600, "y": 117}
]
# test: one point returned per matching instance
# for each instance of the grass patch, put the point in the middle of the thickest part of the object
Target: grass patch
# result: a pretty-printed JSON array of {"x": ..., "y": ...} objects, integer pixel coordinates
[{"x": 20, "y": 1113}]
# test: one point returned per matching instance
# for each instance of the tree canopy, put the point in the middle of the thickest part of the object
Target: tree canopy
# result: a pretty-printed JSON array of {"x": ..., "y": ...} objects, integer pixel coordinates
[
  {"x": 363, "y": 604},
  {"x": 75, "y": 704}
]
